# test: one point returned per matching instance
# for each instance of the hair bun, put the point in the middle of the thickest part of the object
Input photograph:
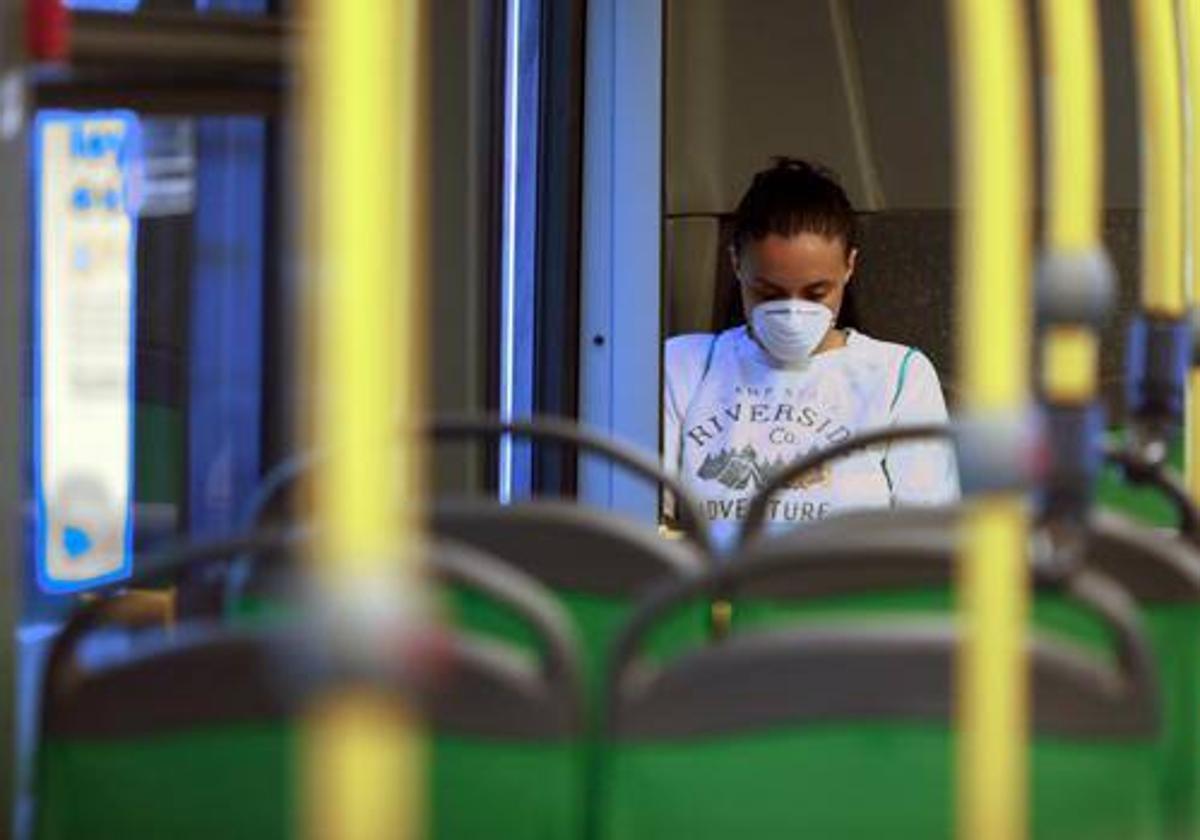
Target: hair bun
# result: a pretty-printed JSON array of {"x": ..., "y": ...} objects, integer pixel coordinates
[
  {"x": 793, "y": 196},
  {"x": 786, "y": 163}
]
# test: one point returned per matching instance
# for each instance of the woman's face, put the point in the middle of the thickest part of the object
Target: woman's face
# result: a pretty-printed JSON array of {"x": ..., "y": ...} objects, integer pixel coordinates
[{"x": 806, "y": 266}]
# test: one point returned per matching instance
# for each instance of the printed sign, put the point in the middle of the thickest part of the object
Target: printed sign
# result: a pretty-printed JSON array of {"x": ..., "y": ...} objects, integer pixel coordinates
[{"x": 84, "y": 317}]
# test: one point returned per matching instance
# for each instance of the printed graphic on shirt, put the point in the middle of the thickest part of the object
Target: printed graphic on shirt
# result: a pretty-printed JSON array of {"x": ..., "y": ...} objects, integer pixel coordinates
[
  {"x": 739, "y": 470},
  {"x": 741, "y": 444},
  {"x": 758, "y": 408},
  {"x": 735, "y": 419},
  {"x": 778, "y": 510}
]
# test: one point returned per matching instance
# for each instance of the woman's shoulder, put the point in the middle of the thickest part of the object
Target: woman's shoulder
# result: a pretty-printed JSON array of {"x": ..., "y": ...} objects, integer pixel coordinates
[
  {"x": 689, "y": 344},
  {"x": 895, "y": 362},
  {"x": 878, "y": 351},
  {"x": 692, "y": 350},
  {"x": 684, "y": 357}
]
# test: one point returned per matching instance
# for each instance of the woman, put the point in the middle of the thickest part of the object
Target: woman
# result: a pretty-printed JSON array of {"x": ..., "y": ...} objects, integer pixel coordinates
[{"x": 740, "y": 404}]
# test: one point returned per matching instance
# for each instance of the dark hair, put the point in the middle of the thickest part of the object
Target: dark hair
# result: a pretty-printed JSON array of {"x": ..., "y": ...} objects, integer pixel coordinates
[{"x": 793, "y": 196}]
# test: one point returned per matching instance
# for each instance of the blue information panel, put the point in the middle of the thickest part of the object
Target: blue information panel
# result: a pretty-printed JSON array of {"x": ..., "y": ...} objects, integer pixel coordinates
[{"x": 84, "y": 320}]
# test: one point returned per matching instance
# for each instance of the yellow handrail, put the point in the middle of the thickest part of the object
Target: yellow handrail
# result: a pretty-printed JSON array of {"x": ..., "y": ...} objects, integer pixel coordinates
[
  {"x": 991, "y": 99},
  {"x": 1162, "y": 158},
  {"x": 364, "y": 86},
  {"x": 1189, "y": 20},
  {"x": 1070, "y": 47},
  {"x": 1070, "y": 50}
]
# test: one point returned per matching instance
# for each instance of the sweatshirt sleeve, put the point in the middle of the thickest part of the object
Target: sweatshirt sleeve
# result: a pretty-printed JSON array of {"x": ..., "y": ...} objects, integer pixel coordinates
[
  {"x": 683, "y": 368},
  {"x": 921, "y": 472},
  {"x": 684, "y": 360},
  {"x": 672, "y": 418}
]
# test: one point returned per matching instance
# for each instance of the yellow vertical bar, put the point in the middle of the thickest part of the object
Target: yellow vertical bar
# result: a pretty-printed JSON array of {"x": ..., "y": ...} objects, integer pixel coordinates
[
  {"x": 991, "y": 99},
  {"x": 1070, "y": 50},
  {"x": 1070, "y": 364},
  {"x": 1162, "y": 158},
  {"x": 363, "y": 757},
  {"x": 1192, "y": 436},
  {"x": 1070, "y": 47},
  {"x": 1189, "y": 19}
]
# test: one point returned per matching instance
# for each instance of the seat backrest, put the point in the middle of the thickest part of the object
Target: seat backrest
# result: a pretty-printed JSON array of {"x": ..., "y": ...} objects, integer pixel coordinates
[
  {"x": 491, "y": 695},
  {"x": 150, "y": 666},
  {"x": 1139, "y": 471},
  {"x": 119, "y": 721},
  {"x": 823, "y": 728},
  {"x": 596, "y": 559},
  {"x": 1161, "y": 571},
  {"x": 847, "y": 567},
  {"x": 1153, "y": 566},
  {"x": 919, "y": 545},
  {"x": 567, "y": 546},
  {"x": 597, "y": 565},
  {"x": 817, "y": 673},
  {"x": 845, "y": 732},
  {"x": 283, "y": 477}
]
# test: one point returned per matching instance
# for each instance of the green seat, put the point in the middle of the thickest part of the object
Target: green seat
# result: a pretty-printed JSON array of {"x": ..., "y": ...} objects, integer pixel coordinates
[
  {"x": 835, "y": 567},
  {"x": 195, "y": 735},
  {"x": 1161, "y": 573},
  {"x": 597, "y": 565},
  {"x": 830, "y": 727}
]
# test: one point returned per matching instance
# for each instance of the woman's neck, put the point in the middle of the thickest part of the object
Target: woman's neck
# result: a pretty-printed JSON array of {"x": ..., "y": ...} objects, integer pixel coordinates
[{"x": 835, "y": 339}]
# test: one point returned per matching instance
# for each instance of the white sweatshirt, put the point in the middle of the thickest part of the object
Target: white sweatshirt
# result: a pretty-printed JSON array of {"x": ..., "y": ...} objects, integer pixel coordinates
[{"x": 733, "y": 415}]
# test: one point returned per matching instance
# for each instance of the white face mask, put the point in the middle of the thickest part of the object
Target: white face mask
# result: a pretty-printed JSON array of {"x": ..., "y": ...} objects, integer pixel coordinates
[{"x": 790, "y": 330}]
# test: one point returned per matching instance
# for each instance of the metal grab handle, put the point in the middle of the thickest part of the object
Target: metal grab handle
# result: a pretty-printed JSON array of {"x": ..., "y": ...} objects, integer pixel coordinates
[
  {"x": 853, "y": 568},
  {"x": 286, "y": 472},
  {"x": 452, "y": 562},
  {"x": 756, "y": 515},
  {"x": 169, "y": 562},
  {"x": 1145, "y": 473}
]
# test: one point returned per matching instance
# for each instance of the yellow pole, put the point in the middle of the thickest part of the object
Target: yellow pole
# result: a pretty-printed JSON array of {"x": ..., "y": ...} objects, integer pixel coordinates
[
  {"x": 1190, "y": 29},
  {"x": 1070, "y": 45},
  {"x": 1162, "y": 158},
  {"x": 363, "y": 755},
  {"x": 993, "y": 165}
]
